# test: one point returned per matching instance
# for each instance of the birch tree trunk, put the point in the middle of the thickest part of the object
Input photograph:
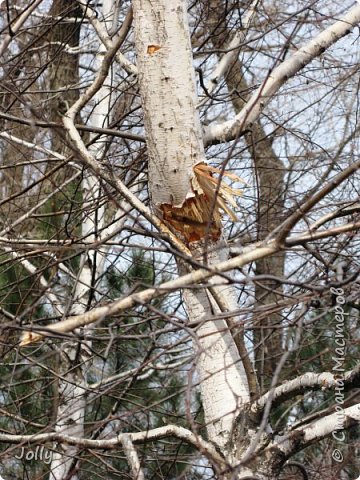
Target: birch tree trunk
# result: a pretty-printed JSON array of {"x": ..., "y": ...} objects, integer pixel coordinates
[{"x": 178, "y": 193}]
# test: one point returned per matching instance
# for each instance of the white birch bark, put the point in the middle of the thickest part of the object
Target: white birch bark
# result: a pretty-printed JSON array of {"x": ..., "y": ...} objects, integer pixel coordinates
[
  {"x": 333, "y": 424},
  {"x": 167, "y": 87},
  {"x": 224, "y": 386},
  {"x": 175, "y": 145}
]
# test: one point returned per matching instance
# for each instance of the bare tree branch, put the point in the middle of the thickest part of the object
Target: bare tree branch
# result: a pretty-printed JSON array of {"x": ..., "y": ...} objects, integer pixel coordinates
[
  {"x": 215, "y": 133},
  {"x": 132, "y": 457},
  {"x": 308, "y": 381},
  {"x": 307, "y": 435},
  {"x": 17, "y": 25},
  {"x": 137, "y": 438}
]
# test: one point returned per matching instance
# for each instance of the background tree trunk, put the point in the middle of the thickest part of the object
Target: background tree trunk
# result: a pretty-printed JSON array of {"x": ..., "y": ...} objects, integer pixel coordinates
[{"x": 75, "y": 357}]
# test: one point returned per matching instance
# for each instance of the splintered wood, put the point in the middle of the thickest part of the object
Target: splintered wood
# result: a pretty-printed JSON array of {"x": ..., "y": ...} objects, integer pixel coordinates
[{"x": 200, "y": 215}]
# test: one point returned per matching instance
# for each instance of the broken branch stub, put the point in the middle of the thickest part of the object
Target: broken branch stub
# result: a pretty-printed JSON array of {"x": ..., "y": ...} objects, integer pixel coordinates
[{"x": 200, "y": 214}]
